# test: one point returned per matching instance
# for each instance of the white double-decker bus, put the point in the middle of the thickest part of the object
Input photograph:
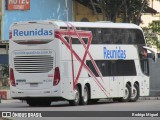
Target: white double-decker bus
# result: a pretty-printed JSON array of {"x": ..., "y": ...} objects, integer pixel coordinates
[{"x": 80, "y": 62}]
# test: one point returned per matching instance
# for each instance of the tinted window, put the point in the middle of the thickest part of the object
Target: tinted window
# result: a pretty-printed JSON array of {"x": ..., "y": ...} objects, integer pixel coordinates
[
  {"x": 116, "y": 36},
  {"x": 114, "y": 67},
  {"x": 76, "y": 40},
  {"x": 123, "y": 68},
  {"x": 145, "y": 66},
  {"x": 144, "y": 61},
  {"x": 103, "y": 65}
]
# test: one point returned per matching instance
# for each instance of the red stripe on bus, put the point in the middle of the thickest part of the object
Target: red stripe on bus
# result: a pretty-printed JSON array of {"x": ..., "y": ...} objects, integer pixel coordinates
[{"x": 58, "y": 34}]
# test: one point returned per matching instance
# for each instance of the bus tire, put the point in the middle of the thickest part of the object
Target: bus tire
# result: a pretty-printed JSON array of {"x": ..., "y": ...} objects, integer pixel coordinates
[
  {"x": 85, "y": 97},
  {"x": 116, "y": 99},
  {"x": 134, "y": 97},
  {"x": 44, "y": 103},
  {"x": 127, "y": 96},
  {"x": 76, "y": 101},
  {"x": 31, "y": 103},
  {"x": 93, "y": 101}
]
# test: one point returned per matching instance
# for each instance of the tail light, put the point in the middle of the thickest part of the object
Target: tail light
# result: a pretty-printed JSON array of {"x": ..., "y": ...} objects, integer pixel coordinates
[
  {"x": 56, "y": 76},
  {"x": 12, "y": 80},
  {"x": 10, "y": 34}
]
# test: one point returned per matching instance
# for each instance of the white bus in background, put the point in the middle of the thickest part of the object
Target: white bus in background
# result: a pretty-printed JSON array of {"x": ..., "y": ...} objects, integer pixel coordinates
[{"x": 80, "y": 62}]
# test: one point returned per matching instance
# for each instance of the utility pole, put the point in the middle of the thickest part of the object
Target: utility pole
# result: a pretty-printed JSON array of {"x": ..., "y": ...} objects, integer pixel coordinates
[{"x": 66, "y": 1}]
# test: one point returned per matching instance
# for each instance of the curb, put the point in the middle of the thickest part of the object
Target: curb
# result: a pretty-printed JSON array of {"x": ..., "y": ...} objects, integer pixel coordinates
[
  {"x": 149, "y": 98},
  {"x": 11, "y": 101},
  {"x": 140, "y": 98},
  {"x": 102, "y": 100}
]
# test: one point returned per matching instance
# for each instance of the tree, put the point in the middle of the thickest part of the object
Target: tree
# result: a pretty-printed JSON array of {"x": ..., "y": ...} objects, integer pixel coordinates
[
  {"x": 151, "y": 33},
  {"x": 110, "y": 9},
  {"x": 129, "y": 10}
]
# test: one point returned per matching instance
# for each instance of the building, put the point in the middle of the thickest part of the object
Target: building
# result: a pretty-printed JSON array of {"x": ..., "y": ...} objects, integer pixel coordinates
[
  {"x": 27, "y": 10},
  {"x": 90, "y": 10},
  {"x": 148, "y": 17},
  {"x": 83, "y": 11}
]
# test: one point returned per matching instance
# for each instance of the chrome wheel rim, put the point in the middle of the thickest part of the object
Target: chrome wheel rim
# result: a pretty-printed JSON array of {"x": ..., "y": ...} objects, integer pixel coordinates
[
  {"x": 85, "y": 97},
  {"x": 134, "y": 93},
  {"x": 76, "y": 96},
  {"x": 126, "y": 93}
]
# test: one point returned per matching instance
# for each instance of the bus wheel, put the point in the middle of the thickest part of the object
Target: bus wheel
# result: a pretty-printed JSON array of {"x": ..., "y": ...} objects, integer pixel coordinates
[
  {"x": 76, "y": 101},
  {"x": 85, "y": 97},
  {"x": 116, "y": 99},
  {"x": 93, "y": 101},
  {"x": 44, "y": 103},
  {"x": 31, "y": 103},
  {"x": 127, "y": 95},
  {"x": 135, "y": 94}
]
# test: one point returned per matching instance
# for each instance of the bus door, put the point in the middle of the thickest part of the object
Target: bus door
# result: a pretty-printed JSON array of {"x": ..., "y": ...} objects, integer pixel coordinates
[{"x": 116, "y": 81}]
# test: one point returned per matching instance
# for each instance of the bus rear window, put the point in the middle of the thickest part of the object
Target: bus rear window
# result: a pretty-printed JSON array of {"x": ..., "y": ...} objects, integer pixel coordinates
[{"x": 32, "y": 41}]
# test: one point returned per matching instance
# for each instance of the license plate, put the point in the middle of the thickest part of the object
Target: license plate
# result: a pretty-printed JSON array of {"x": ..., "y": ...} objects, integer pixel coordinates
[{"x": 33, "y": 84}]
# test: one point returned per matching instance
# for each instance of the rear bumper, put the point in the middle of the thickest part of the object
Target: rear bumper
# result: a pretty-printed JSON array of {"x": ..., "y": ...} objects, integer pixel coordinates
[
  {"x": 40, "y": 98},
  {"x": 17, "y": 93}
]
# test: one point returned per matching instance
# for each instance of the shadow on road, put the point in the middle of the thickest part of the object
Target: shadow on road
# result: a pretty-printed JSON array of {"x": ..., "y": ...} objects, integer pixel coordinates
[{"x": 66, "y": 104}]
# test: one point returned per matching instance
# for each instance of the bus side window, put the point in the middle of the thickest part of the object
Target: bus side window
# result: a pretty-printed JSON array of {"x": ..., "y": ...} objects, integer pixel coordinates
[
  {"x": 120, "y": 68},
  {"x": 95, "y": 37},
  {"x": 90, "y": 65},
  {"x": 106, "y": 36},
  {"x": 85, "y": 40},
  {"x": 139, "y": 37},
  {"x": 145, "y": 66},
  {"x": 130, "y": 40},
  {"x": 103, "y": 65},
  {"x": 113, "y": 68}
]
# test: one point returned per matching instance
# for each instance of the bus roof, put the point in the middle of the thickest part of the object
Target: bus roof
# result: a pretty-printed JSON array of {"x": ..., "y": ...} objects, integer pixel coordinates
[{"x": 99, "y": 24}]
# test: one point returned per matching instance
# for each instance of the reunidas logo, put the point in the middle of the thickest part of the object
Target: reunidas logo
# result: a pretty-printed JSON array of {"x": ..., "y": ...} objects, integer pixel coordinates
[
  {"x": 36, "y": 32},
  {"x": 116, "y": 53}
]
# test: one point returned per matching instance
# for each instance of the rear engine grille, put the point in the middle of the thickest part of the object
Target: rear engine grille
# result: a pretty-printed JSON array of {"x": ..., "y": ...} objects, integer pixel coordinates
[{"x": 33, "y": 64}]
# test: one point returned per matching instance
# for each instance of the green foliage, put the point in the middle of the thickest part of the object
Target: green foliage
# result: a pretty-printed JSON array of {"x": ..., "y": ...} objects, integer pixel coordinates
[
  {"x": 132, "y": 9},
  {"x": 128, "y": 10},
  {"x": 5, "y": 70},
  {"x": 155, "y": 26},
  {"x": 151, "y": 33},
  {"x": 111, "y": 8},
  {"x": 4, "y": 81}
]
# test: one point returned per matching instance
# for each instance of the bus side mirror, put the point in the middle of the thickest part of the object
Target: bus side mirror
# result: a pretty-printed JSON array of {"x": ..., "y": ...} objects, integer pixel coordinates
[{"x": 153, "y": 53}]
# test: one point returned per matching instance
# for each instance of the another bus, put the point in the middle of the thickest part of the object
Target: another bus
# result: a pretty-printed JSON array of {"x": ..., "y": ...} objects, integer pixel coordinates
[{"x": 80, "y": 62}]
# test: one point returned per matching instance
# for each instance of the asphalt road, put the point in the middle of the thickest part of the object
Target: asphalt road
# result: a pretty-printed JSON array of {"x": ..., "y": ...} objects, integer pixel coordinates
[{"x": 144, "y": 106}]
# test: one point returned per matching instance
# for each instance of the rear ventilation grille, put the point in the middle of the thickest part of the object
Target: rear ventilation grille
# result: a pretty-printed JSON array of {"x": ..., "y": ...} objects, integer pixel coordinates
[{"x": 33, "y": 64}]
